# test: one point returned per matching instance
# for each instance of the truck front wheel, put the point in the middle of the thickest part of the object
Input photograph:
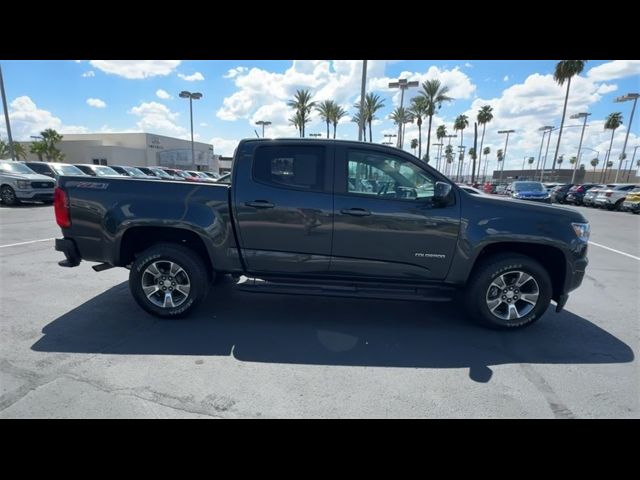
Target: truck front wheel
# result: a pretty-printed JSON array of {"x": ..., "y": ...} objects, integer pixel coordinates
[
  {"x": 508, "y": 291},
  {"x": 168, "y": 280}
]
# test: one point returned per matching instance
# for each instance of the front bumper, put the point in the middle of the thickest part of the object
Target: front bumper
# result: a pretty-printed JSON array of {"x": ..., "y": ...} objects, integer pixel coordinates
[
  {"x": 602, "y": 201},
  {"x": 68, "y": 247},
  {"x": 41, "y": 194},
  {"x": 631, "y": 206},
  {"x": 533, "y": 199}
]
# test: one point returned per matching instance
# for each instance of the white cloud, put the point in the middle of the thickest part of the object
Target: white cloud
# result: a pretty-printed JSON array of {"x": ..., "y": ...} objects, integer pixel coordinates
[
  {"x": 157, "y": 118},
  {"x": 468, "y": 65},
  {"x": 204, "y": 124},
  {"x": 614, "y": 70},
  {"x": 196, "y": 77},
  {"x": 78, "y": 61},
  {"x": 96, "y": 102},
  {"x": 27, "y": 119},
  {"x": 223, "y": 146},
  {"x": 89, "y": 73},
  {"x": 163, "y": 94},
  {"x": 136, "y": 69},
  {"x": 234, "y": 72},
  {"x": 506, "y": 78}
]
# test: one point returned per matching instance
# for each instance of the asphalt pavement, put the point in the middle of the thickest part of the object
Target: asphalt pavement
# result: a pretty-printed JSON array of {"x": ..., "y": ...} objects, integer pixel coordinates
[{"x": 75, "y": 345}]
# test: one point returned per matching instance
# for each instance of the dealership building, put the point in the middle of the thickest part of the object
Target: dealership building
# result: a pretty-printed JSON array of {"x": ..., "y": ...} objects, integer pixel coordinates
[{"x": 135, "y": 149}]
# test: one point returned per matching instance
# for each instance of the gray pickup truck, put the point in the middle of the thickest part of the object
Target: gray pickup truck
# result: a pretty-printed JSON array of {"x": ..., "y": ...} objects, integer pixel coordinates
[
  {"x": 18, "y": 182},
  {"x": 324, "y": 217}
]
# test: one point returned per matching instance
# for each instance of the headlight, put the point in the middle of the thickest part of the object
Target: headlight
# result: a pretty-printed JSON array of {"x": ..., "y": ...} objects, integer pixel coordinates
[
  {"x": 516, "y": 195},
  {"x": 582, "y": 231},
  {"x": 23, "y": 184}
]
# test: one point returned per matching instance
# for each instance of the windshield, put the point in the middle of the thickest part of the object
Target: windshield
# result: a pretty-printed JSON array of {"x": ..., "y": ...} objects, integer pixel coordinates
[
  {"x": 68, "y": 170},
  {"x": 15, "y": 167},
  {"x": 103, "y": 171},
  {"x": 528, "y": 187}
]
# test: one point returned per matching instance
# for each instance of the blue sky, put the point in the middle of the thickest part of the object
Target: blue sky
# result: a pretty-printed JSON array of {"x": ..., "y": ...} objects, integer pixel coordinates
[{"x": 114, "y": 96}]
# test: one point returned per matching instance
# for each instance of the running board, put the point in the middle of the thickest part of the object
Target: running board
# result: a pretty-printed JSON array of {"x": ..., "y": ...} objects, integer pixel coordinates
[{"x": 429, "y": 293}]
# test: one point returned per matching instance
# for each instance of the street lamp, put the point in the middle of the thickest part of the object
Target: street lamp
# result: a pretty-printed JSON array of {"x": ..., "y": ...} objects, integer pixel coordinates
[
  {"x": 626, "y": 98},
  {"x": 191, "y": 96},
  {"x": 461, "y": 150},
  {"x": 544, "y": 130},
  {"x": 403, "y": 84},
  {"x": 6, "y": 117},
  {"x": 389, "y": 136},
  {"x": 584, "y": 124},
  {"x": 315, "y": 134},
  {"x": 263, "y": 123},
  {"x": 632, "y": 160},
  {"x": 504, "y": 155},
  {"x": 439, "y": 145}
]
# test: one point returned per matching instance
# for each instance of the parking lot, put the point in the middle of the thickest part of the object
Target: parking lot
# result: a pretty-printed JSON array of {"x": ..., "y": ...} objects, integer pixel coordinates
[{"x": 75, "y": 344}]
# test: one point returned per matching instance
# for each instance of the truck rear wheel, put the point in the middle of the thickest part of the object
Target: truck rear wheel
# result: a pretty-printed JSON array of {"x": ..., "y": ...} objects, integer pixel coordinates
[
  {"x": 168, "y": 280},
  {"x": 508, "y": 291}
]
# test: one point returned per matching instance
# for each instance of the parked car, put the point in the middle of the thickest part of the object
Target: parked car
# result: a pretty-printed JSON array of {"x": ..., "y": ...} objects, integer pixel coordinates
[
  {"x": 501, "y": 189},
  {"x": 18, "y": 182},
  {"x": 471, "y": 190},
  {"x": 131, "y": 172},
  {"x": 212, "y": 175},
  {"x": 576, "y": 194},
  {"x": 558, "y": 193},
  {"x": 54, "y": 170},
  {"x": 98, "y": 170},
  {"x": 291, "y": 223},
  {"x": 226, "y": 178},
  {"x": 532, "y": 191},
  {"x": 632, "y": 201},
  {"x": 157, "y": 172},
  {"x": 176, "y": 174},
  {"x": 612, "y": 198},
  {"x": 589, "y": 197},
  {"x": 201, "y": 175},
  {"x": 550, "y": 186}
]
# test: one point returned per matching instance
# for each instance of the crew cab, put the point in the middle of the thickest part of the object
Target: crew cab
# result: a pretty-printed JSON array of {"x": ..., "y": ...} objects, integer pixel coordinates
[{"x": 326, "y": 217}]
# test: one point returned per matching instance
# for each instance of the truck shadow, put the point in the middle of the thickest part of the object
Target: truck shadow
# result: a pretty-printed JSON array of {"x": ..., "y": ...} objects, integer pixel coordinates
[{"x": 327, "y": 331}]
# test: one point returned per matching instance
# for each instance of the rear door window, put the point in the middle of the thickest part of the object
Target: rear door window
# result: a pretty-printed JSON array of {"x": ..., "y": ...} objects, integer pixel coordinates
[{"x": 298, "y": 168}]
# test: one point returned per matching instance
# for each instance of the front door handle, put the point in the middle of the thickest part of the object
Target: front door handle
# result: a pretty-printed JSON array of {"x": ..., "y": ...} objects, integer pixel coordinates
[
  {"x": 356, "y": 212},
  {"x": 260, "y": 204}
]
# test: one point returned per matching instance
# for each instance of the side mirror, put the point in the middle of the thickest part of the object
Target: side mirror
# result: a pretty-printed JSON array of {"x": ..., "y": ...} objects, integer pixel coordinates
[{"x": 441, "y": 193}]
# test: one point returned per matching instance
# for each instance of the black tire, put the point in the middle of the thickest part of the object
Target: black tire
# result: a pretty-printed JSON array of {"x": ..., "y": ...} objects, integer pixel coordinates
[
  {"x": 491, "y": 268},
  {"x": 188, "y": 260},
  {"x": 618, "y": 205},
  {"x": 8, "y": 196}
]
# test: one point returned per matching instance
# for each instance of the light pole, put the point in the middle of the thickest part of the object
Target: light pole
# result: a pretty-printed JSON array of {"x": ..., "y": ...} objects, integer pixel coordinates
[
  {"x": 439, "y": 145},
  {"x": 632, "y": 160},
  {"x": 504, "y": 155},
  {"x": 461, "y": 150},
  {"x": 315, "y": 134},
  {"x": 362, "y": 89},
  {"x": 544, "y": 130},
  {"x": 584, "y": 124},
  {"x": 626, "y": 98},
  {"x": 389, "y": 136},
  {"x": 263, "y": 123},
  {"x": 191, "y": 96},
  {"x": 6, "y": 116},
  {"x": 403, "y": 84}
]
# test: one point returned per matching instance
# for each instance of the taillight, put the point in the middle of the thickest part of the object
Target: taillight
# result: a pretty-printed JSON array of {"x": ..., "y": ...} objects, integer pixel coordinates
[
  {"x": 580, "y": 189},
  {"x": 61, "y": 207},
  {"x": 608, "y": 194}
]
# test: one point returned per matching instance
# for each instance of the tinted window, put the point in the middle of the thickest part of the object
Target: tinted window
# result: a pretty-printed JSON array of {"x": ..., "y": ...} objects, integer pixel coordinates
[
  {"x": 386, "y": 176},
  {"x": 39, "y": 168},
  {"x": 15, "y": 167},
  {"x": 290, "y": 167},
  {"x": 528, "y": 187},
  {"x": 67, "y": 170}
]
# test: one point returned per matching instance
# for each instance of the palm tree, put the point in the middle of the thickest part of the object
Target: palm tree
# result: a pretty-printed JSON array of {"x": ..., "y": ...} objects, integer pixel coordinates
[
  {"x": 573, "y": 160},
  {"x": 565, "y": 70},
  {"x": 419, "y": 108},
  {"x": 530, "y": 162},
  {"x": 441, "y": 132},
  {"x": 435, "y": 94},
  {"x": 296, "y": 121},
  {"x": 485, "y": 151},
  {"x": 461, "y": 122},
  {"x": 594, "y": 163},
  {"x": 560, "y": 160},
  {"x": 49, "y": 138},
  {"x": 485, "y": 115},
  {"x": 20, "y": 151},
  {"x": 356, "y": 118},
  {"x": 38, "y": 148},
  {"x": 336, "y": 115},
  {"x": 400, "y": 116},
  {"x": 414, "y": 145},
  {"x": 303, "y": 104},
  {"x": 613, "y": 121},
  {"x": 448, "y": 154},
  {"x": 372, "y": 103},
  {"x": 325, "y": 110},
  {"x": 500, "y": 156}
]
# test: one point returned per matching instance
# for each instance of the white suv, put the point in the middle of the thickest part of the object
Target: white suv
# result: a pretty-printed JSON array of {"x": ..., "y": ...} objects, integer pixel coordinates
[
  {"x": 19, "y": 182},
  {"x": 612, "y": 197}
]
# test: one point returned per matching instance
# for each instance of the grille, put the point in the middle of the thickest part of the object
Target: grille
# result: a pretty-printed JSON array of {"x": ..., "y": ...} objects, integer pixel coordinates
[{"x": 41, "y": 184}]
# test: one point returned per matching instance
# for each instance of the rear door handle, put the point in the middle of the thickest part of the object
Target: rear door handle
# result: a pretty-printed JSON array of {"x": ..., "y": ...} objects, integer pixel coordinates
[
  {"x": 356, "y": 212},
  {"x": 260, "y": 204}
]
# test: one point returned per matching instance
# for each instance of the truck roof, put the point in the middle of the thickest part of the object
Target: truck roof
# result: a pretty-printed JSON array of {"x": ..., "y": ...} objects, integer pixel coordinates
[{"x": 320, "y": 141}]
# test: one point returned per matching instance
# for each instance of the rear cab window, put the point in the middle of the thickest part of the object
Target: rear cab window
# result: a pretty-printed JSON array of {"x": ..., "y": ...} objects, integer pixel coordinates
[{"x": 290, "y": 167}]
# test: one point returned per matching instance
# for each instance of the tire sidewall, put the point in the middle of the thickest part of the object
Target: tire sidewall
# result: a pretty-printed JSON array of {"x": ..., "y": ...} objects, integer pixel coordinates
[
  {"x": 477, "y": 300},
  {"x": 14, "y": 199},
  {"x": 181, "y": 256}
]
